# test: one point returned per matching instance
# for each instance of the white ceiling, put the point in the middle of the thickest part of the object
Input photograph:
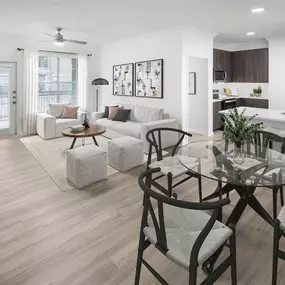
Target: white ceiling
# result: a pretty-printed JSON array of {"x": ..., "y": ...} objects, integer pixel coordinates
[{"x": 108, "y": 20}]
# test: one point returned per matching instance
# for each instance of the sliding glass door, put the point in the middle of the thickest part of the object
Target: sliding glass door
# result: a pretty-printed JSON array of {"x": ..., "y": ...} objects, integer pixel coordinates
[{"x": 8, "y": 98}]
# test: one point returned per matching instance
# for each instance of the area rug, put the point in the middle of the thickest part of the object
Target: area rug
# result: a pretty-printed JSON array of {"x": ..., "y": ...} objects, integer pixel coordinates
[{"x": 51, "y": 155}]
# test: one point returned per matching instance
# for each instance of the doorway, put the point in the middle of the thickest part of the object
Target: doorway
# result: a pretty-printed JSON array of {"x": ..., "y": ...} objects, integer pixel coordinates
[{"x": 8, "y": 98}]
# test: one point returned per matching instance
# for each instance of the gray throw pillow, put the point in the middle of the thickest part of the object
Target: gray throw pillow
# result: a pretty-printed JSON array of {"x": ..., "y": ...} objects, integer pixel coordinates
[{"x": 122, "y": 115}]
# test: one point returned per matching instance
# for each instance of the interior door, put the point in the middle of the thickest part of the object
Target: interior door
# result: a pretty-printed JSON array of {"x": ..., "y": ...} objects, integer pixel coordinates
[{"x": 8, "y": 98}]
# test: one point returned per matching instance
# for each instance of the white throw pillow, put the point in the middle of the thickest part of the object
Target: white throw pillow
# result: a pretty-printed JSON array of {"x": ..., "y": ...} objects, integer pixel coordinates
[{"x": 56, "y": 109}]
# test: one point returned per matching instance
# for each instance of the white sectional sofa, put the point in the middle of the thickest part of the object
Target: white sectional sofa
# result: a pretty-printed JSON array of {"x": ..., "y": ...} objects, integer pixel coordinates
[
  {"x": 50, "y": 127},
  {"x": 142, "y": 119}
]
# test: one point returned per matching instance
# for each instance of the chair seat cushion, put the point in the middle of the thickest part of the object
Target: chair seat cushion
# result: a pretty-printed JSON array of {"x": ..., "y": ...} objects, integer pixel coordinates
[
  {"x": 183, "y": 226},
  {"x": 173, "y": 165}
]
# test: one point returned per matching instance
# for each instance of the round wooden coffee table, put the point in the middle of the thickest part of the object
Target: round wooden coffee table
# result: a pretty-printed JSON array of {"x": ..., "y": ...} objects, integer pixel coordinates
[{"x": 93, "y": 131}]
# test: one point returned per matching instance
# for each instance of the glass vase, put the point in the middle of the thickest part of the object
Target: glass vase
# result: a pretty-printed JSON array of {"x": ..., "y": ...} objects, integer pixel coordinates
[{"x": 239, "y": 153}]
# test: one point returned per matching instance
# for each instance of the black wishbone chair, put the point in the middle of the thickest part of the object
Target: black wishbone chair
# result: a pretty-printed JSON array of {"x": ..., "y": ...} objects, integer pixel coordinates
[
  {"x": 279, "y": 232},
  {"x": 170, "y": 166},
  {"x": 263, "y": 141},
  {"x": 184, "y": 233}
]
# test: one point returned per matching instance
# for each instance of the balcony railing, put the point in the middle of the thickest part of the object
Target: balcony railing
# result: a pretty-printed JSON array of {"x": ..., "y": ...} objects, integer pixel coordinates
[
  {"x": 4, "y": 106},
  {"x": 45, "y": 97}
]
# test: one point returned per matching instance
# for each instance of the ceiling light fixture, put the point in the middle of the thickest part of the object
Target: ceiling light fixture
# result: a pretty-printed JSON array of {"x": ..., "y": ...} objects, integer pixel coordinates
[
  {"x": 58, "y": 43},
  {"x": 257, "y": 10},
  {"x": 250, "y": 33}
]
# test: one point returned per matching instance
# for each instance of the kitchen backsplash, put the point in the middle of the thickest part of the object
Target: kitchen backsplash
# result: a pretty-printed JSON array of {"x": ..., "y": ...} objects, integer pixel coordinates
[{"x": 244, "y": 89}]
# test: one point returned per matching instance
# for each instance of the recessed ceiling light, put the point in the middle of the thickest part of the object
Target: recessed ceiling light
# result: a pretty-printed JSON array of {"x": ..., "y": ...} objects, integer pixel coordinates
[
  {"x": 250, "y": 33},
  {"x": 257, "y": 10}
]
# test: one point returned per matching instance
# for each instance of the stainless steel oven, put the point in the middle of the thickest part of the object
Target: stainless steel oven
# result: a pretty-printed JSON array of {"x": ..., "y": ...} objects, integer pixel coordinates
[{"x": 229, "y": 104}]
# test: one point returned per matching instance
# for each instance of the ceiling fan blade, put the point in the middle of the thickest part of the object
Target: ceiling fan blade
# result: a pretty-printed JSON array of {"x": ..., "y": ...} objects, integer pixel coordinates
[
  {"x": 75, "y": 42},
  {"x": 49, "y": 35}
]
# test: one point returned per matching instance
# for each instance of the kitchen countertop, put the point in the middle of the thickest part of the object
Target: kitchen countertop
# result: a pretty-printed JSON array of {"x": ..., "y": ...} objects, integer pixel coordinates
[
  {"x": 228, "y": 98},
  {"x": 262, "y": 114}
]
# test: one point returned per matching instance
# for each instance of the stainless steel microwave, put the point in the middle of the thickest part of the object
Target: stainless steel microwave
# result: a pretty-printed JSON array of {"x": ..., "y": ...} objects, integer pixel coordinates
[{"x": 220, "y": 76}]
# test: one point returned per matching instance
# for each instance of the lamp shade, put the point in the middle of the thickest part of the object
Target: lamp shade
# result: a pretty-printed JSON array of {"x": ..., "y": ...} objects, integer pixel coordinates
[{"x": 100, "y": 81}]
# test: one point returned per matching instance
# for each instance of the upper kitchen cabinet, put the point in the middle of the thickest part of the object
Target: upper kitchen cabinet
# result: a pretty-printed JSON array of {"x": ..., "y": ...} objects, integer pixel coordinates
[
  {"x": 223, "y": 61},
  {"x": 250, "y": 65}
]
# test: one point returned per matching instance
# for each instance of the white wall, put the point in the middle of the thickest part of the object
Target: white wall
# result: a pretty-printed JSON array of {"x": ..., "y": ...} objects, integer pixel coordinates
[
  {"x": 244, "y": 89},
  {"x": 165, "y": 44},
  {"x": 175, "y": 46},
  {"x": 277, "y": 73},
  {"x": 198, "y": 110},
  {"x": 196, "y": 114}
]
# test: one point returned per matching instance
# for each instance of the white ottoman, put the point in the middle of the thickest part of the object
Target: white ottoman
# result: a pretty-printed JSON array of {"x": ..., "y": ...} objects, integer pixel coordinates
[
  {"x": 125, "y": 153},
  {"x": 86, "y": 165}
]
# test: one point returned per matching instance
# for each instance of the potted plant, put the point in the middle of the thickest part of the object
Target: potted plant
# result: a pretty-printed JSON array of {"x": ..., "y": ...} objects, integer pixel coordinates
[
  {"x": 239, "y": 130},
  {"x": 257, "y": 91}
]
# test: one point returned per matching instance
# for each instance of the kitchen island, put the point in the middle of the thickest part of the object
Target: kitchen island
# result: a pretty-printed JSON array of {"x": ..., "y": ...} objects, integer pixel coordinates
[{"x": 269, "y": 117}]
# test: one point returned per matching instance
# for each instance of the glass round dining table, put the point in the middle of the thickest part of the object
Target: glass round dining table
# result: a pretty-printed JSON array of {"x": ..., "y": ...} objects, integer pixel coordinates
[{"x": 261, "y": 167}]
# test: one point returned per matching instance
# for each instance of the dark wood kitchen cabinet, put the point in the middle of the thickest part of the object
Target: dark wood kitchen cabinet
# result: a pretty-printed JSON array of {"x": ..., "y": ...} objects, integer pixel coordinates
[
  {"x": 253, "y": 103},
  {"x": 244, "y": 66},
  {"x": 256, "y": 103},
  {"x": 250, "y": 66},
  {"x": 217, "y": 106},
  {"x": 223, "y": 61}
]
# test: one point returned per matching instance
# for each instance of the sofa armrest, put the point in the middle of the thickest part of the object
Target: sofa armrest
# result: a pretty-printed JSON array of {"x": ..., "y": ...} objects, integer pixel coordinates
[
  {"x": 46, "y": 126},
  {"x": 167, "y": 138},
  {"x": 96, "y": 116}
]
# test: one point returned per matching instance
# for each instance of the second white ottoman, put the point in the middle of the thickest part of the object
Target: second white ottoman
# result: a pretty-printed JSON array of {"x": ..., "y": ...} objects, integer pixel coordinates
[
  {"x": 86, "y": 165},
  {"x": 125, "y": 153}
]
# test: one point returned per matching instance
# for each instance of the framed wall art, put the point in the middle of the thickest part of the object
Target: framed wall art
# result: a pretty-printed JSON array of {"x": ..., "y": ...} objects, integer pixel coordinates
[
  {"x": 149, "y": 79},
  {"x": 192, "y": 83},
  {"x": 123, "y": 79}
]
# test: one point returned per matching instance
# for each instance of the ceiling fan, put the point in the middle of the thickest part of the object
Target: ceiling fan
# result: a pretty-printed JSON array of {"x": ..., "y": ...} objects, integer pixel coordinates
[{"x": 59, "y": 40}]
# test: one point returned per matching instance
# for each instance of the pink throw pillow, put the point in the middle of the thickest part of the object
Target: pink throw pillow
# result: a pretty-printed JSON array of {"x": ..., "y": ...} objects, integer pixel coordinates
[
  {"x": 69, "y": 112},
  {"x": 113, "y": 111}
]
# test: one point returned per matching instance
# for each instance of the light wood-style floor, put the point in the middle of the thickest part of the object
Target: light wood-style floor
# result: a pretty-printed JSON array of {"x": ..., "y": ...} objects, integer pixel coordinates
[{"x": 91, "y": 236}]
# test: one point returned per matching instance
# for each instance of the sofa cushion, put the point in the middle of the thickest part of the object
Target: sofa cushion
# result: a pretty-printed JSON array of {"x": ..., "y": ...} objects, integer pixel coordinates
[
  {"x": 56, "y": 109},
  {"x": 129, "y": 128},
  {"x": 61, "y": 124},
  {"x": 147, "y": 114},
  {"x": 109, "y": 124}
]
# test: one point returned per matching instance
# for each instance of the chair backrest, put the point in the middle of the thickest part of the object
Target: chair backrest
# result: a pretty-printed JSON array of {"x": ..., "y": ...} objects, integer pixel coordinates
[
  {"x": 152, "y": 197},
  {"x": 263, "y": 140},
  {"x": 154, "y": 137}
]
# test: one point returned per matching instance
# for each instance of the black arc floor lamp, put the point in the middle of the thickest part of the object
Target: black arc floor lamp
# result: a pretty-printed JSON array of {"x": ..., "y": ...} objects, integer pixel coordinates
[{"x": 99, "y": 81}]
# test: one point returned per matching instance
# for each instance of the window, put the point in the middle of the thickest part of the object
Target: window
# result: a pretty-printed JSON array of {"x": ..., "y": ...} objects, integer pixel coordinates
[
  {"x": 43, "y": 62},
  {"x": 57, "y": 80}
]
